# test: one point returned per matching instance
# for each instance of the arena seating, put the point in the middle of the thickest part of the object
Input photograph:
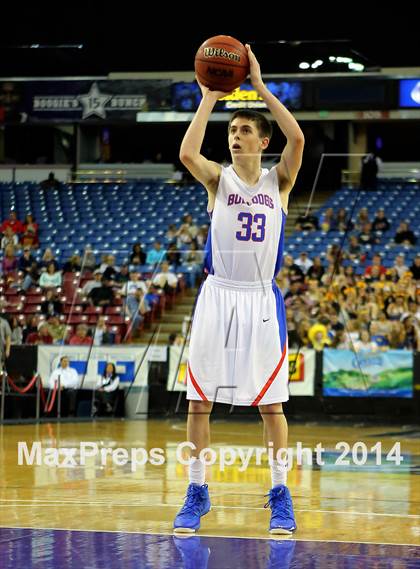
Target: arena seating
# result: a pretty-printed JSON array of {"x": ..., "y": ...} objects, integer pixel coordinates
[{"x": 401, "y": 202}]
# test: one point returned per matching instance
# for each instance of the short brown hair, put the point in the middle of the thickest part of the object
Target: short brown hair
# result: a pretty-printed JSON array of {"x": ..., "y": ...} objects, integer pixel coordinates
[{"x": 264, "y": 126}]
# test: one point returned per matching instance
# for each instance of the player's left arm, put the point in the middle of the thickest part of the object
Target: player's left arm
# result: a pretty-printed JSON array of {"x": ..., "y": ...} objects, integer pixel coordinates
[{"x": 291, "y": 158}]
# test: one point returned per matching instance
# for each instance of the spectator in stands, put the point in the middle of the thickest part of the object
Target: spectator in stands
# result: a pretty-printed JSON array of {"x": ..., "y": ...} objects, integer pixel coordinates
[
  {"x": 202, "y": 235},
  {"x": 16, "y": 331},
  {"x": 81, "y": 338},
  {"x": 108, "y": 269},
  {"x": 137, "y": 307},
  {"x": 51, "y": 278},
  {"x": 184, "y": 238},
  {"x": 172, "y": 233},
  {"x": 173, "y": 256},
  {"x": 381, "y": 339},
  {"x": 153, "y": 295},
  {"x": 166, "y": 280},
  {"x": 130, "y": 290},
  {"x": 404, "y": 235},
  {"x": 335, "y": 323},
  {"x": 318, "y": 336},
  {"x": 138, "y": 256},
  {"x": 303, "y": 262},
  {"x": 372, "y": 306},
  {"x": 371, "y": 164},
  {"x": 188, "y": 223},
  {"x": 415, "y": 268},
  {"x": 366, "y": 237},
  {"x": 176, "y": 339},
  {"x": 134, "y": 284},
  {"x": 380, "y": 223},
  {"x": 13, "y": 223},
  {"x": 352, "y": 332},
  {"x": 193, "y": 258},
  {"x": 5, "y": 341},
  {"x": 47, "y": 258},
  {"x": 350, "y": 275},
  {"x": 30, "y": 232},
  {"x": 51, "y": 183},
  {"x": 103, "y": 295},
  {"x": 412, "y": 334},
  {"x": 328, "y": 220},
  {"x": 89, "y": 259},
  {"x": 397, "y": 337},
  {"x": 69, "y": 384},
  {"x": 399, "y": 265},
  {"x": 123, "y": 276},
  {"x": 56, "y": 329},
  {"x": 362, "y": 218},
  {"x": 26, "y": 260},
  {"x": 155, "y": 255},
  {"x": 73, "y": 265},
  {"x": 335, "y": 255},
  {"x": 295, "y": 290},
  {"x": 344, "y": 223},
  {"x": 102, "y": 335},
  {"x": 92, "y": 283},
  {"x": 9, "y": 264},
  {"x": 106, "y": 390},
  {"x": 397, "y": 307},
  {"x": 316, "y": 270},
  {"x": 295, "y": 273},
  {"x": 31, "y": 277},
  {"x": 41, "y": 336},
  {"x": 10, "y": 238},
  {"x": 51, "y": 306},
  {"x": 376, "y": 262},
  {"x": 413, "y": 310},
  {"x": 365, "y": 343},
  {"x": 307, "y": 222},
  {"x": 340, "y": 341},
  {"x": 31, "y": 326}
]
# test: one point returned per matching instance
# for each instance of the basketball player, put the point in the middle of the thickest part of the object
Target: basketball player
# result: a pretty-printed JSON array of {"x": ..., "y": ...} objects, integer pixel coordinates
[{"x": 238, "y": 348}]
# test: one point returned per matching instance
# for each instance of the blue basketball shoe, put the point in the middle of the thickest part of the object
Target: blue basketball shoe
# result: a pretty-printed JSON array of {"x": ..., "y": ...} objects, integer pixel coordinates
[
  {"x": 282, "y": 516},
  {"x": 197, "y": 504}
]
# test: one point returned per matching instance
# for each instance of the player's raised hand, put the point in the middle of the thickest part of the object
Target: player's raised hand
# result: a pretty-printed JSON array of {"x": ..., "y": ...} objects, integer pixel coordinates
[
  {"x": 206, "y": 92},
  {"x": 254, "y": 68}
]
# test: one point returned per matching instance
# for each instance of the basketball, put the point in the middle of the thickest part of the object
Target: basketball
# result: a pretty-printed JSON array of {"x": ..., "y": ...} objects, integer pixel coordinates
[{"x": 221, "y": 63}]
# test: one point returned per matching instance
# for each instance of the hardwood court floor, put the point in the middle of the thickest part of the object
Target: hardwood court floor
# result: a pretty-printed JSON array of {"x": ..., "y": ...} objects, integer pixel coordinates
[{"x": 366, "y": 504}]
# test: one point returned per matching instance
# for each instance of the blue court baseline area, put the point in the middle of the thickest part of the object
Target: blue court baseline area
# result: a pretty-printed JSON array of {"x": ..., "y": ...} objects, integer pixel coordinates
[{"x": 69, "y": 549}]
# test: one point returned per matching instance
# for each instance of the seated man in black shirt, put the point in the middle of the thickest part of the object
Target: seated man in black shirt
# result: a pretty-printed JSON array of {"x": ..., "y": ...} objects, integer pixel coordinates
[
  {"x": 102, "y": 295},
  {"x": 307, "y": 222}
]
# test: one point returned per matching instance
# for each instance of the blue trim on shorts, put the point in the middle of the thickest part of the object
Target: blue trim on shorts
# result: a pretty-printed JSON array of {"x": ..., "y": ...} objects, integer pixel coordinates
[
  {"x": 279, "y": 260},
  {"x": 208, "y": 254},
  {"x": 281, "y": 314}
]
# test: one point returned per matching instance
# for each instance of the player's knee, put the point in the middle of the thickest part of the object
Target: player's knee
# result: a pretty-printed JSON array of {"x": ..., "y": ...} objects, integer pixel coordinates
[
  {"x": 200, "y": 407},
  {"x": 271, "y": 412}
]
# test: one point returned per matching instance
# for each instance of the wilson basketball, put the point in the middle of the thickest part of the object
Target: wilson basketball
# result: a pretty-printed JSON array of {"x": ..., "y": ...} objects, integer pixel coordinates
[{"x": 221, "y": 63}]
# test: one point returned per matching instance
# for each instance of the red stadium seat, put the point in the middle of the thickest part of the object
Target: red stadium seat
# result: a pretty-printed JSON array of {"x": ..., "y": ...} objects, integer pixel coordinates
[
  {"x": 78, "y": 319},
  {"x": 32, "y": 309},
  {"x": 114, "y": 310}
]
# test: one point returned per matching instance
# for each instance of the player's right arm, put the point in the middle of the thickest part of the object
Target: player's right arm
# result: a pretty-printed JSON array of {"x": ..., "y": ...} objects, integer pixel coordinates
[{"x": 205, "y": 171}]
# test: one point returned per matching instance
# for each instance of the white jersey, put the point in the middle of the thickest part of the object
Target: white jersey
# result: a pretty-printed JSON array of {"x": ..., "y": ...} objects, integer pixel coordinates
[{"x": 245, "y": 241}]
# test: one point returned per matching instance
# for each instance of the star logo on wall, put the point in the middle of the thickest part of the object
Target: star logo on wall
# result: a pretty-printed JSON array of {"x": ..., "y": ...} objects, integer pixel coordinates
[{"x": 94, "y": 102}]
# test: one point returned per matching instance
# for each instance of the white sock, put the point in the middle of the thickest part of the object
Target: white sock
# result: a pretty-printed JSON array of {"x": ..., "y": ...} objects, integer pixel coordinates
[
  {"x": 278, "y": 473},
  {"x": 197, "y": 471}
]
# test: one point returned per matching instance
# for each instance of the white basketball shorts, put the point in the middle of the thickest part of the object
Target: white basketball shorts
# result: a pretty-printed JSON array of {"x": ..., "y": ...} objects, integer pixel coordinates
[{"x": 238, "y": 347}]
